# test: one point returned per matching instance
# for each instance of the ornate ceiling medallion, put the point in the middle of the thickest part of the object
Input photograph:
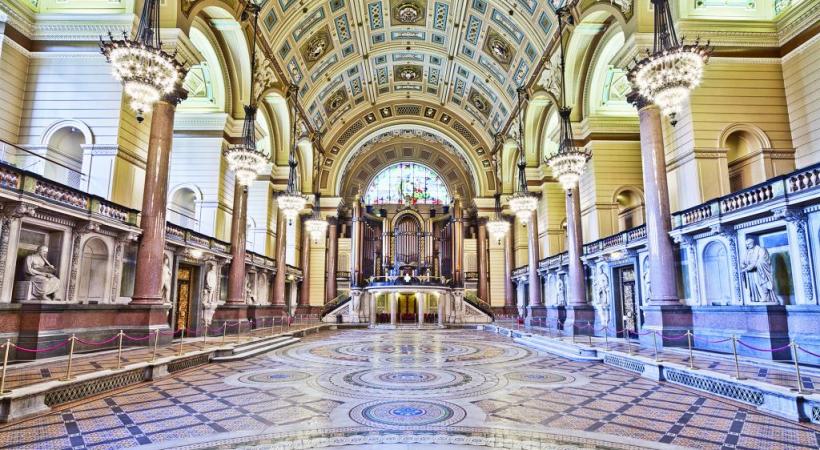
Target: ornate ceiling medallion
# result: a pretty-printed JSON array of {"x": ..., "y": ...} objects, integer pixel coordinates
[
  {"x": 335, "y": 101},
  {"x": 319, "y": 45},
  {"x": 408, "y": 73},
  {"x": 499, "y": 49},
  {"x": 408, "y": 12},
  {"x": 479, "y": 102}
]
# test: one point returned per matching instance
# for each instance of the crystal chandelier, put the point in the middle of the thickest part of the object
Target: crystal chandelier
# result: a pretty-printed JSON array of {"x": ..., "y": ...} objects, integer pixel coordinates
[
  {"x": 316, "y": 226},
  {"x": 569, "y": 162},
  {"x": 498, "y": 226},
  {"x": 522, "y": 203},
  {"x": 673, "y": 69},
  {"x": 245, "y": 159},
  {"x": 145, "y": 70},
  {"x": 292, "y": 202}
]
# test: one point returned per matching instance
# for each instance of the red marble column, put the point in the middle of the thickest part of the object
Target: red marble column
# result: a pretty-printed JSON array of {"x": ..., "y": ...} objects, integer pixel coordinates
[
  {"x": 356, "y": 244},
  {"x": 239, "y": 221},
  {"x": 458, "y": 243},
  {"x": 304, "y": 290},
  {"x": 281, "y": 269},
  {"x": 482, "y": 260},
  {"x": 332, "y": 255},
  {"x": 534, "y": 258},
  {"x": 148, "y": 279},
  {"x": 509, "y": 266},
  {"x": 576, "y": 290}
]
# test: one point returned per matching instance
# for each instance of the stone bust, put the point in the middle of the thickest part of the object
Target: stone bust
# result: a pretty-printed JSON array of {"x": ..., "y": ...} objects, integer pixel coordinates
[{"x": 44, "y": 283}]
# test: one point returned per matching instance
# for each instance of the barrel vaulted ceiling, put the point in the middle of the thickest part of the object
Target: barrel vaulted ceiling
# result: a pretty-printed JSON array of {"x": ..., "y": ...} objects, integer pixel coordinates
[{"x": 457, "y": 63}]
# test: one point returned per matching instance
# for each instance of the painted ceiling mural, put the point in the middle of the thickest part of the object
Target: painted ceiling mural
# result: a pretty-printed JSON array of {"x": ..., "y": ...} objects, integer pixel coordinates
[{"x": 461, "y": 59}]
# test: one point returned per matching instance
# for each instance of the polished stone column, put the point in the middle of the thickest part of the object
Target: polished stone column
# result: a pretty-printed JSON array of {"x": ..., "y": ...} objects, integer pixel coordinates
[
  {"x": 239, "y": 227},
  {"x": 332, "y": 254},
  {"x": 148, "y": 279},
  {"x": 576, "y": 290},
  {"x": 535, "y": 308},
  {"x": 658, "y": 219},
  {"x": 356, "y": 243},
  {"x": 420, "y": 305},
  {"x": 458, "y": 242},
  {"x": 393, "y": 307},
  {"x": 509, "y": 266},
  {"x": 664, "y": 313},
  {"x": 304, "y": 291},
  {"x": 482, "y": 260},
  {"x": 579, "y": 313},
  {"x": 281, "y": 269}
]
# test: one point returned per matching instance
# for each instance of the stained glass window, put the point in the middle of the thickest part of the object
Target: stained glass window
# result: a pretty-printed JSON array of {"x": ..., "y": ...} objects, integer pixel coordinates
[{"x": 407, "y": 184}]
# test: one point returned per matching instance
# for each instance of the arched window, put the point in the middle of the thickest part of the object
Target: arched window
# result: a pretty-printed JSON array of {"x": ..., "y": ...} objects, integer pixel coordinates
[
  {"x": 630, "y": 209},
  {"x": 65, "y": 157},
  {"x": 182, "y": 209},
  {"x": 716, "y": 273},
  {"x": 407, "y": 183}
]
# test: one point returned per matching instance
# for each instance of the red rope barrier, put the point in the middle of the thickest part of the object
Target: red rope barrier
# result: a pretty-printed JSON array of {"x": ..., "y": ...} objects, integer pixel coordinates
[
  {"x": 42, "y": 350},
  {"x": 96, "y": 343}
]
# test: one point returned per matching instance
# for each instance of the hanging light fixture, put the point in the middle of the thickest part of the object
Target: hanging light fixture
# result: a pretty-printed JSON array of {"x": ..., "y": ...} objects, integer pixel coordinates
[
  {"x": 245, "y": 159},
  {"x": 144, "y": 69},
  {"x": 522, "y": 203},
  {"x": 316, "y": 226},
  {"x": 292, "y": 202},
  {"x": 498, "y": 226},
  {"x": 569, "y": 162},
  {"x": 673, "y": 69}
]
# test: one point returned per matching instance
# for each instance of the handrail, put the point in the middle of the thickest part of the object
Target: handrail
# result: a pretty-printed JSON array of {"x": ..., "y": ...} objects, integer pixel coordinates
[
  {"x": 5, "y": 159},
  {"x": 337, "y": 301},
  {"x": 482, "y": 305}
]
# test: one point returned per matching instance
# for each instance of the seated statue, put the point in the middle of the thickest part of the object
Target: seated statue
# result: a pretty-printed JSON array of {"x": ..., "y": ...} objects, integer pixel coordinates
[{"x": 44, "y": 283}]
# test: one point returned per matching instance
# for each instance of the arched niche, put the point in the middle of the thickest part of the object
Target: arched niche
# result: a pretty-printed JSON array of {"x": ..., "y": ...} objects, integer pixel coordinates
[
  {"x": 744, "y": 146},
  {"x": 95, "y": 265},
  {"x": 207, "y": 81},
  {"x": 65, "y": 141},
  {"x": 717, "y": 288}
]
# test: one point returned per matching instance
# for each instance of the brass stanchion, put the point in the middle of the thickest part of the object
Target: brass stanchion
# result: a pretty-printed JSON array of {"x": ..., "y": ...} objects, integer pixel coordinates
[
  {"x": 7, "y": 346},
  {"x": 272, "y": 324},
  {"x": 606, "y": 338},
  {"x": 655, "y": 343},
  {"x": 119, "y": 350},
  {"x": 591, "y": 330},
  {"x": 734, "y": 351},
  {"x": 156, "y": 344},
  {"x": 626, "y": 338},
  {"x": 793, "y": 345},
  {"x": 70, "y": 358},
  {"x": 224, "y": 331},
  {"x": 691, "y": 355},
  {"x": 204, "y": 332},
  {"x": 181, "y": 340}
]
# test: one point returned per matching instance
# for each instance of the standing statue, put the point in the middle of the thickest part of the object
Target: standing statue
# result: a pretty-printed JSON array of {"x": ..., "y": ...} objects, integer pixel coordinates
[
  {"x": 601, "y": 302},
  {"x": 757, "y": 270},
  {"x": 209, "y": 299},
  {"x": 250, "y": 298},
  {"x": 167, "y": 275},
  {"x": 647, "y": 282},
  {"x": 560, "y": 298},
  {"x": 44, "y": 283},
  {"x": 355, "y": 306}
]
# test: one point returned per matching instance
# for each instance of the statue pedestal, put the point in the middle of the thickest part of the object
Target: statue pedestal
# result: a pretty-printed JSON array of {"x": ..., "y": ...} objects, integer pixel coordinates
[
  {"x": 577, "y": 320},
  {"x": 668, "y": 321},
  {"x": 536, "y": 316}
]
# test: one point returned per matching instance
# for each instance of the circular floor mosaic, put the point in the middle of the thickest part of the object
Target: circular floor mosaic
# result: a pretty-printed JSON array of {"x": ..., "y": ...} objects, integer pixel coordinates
[
  {"x": 407, "y": 414},
  {"x": 538, "y": 377},
  {"x": 407, "y": 382},
  {"x": 269, "y": 377}
]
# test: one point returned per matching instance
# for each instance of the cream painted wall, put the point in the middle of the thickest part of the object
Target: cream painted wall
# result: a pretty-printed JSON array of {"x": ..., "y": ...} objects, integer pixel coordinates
[
  {"x": 13, "y": 71},
  {"x": 551, "y": 215},
  {"x": 195, "y": 163},
  {"x": 497, "y": 278},
  {"x": 614, "y": 164},
  {"x": 317, "y": 272},
  {"x": 801, "y": 76}
]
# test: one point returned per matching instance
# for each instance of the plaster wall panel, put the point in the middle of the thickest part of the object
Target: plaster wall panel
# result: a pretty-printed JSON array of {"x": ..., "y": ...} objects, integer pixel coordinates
[
  {"x": 13, "y": 69},
  {"x": 801, "y": 74}
]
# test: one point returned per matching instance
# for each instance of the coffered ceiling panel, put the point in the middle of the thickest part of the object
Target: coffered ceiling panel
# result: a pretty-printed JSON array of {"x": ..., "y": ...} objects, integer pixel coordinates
[{"x": 467, "y": 56}]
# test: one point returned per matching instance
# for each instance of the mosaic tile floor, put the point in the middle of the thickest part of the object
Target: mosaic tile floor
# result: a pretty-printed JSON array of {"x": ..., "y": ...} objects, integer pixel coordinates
[{"x": 406, "y": 389}]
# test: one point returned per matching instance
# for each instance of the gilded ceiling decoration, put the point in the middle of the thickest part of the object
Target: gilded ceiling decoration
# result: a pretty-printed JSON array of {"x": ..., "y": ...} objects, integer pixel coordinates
[{"x": 466, "y": 58}]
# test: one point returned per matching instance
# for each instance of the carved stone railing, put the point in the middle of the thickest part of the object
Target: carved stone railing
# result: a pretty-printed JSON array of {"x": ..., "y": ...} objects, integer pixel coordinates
[
  {"x": 803, "y": 179},
  {"x": 616, "y": 241},
  {"x": 520, "y": 271},
  {"x": 752, "y": 196},
  {"x": 35, "y": 186}
]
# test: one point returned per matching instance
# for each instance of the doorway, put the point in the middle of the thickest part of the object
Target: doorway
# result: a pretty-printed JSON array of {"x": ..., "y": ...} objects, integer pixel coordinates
[
  {"x": 407, "y": 308},
  {"x": 626, "y": 308},
  {"x": 183, "y": 310}
]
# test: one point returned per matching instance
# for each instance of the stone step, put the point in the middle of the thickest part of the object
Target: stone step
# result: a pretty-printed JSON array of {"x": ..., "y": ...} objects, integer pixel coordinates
[
  {"x": 253, "y": 345},
  {"x": 247, "y": 352}
]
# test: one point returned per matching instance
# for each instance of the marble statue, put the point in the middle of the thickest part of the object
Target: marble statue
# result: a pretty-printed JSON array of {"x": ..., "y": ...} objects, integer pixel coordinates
[
  {"x": 355, "y": 306},
  {"x": 758, "y": 276},
  {"x": 647, "y": 282},
  {"x": 560, "y": 299},
  {"x": 44, "y": 283},
  {"x": 601, "y": 302},
  {"x": 250, "y": 298},
  {"x": 209, "y": 299},
  {"x": 166, "y": 280}
]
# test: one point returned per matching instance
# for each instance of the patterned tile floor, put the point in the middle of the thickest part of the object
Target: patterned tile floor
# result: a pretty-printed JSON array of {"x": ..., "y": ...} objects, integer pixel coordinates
[
  {"x": 777, "y": 373},
  {"x": 406, "y": 389},
  {"x": 28, "y": 373}
]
